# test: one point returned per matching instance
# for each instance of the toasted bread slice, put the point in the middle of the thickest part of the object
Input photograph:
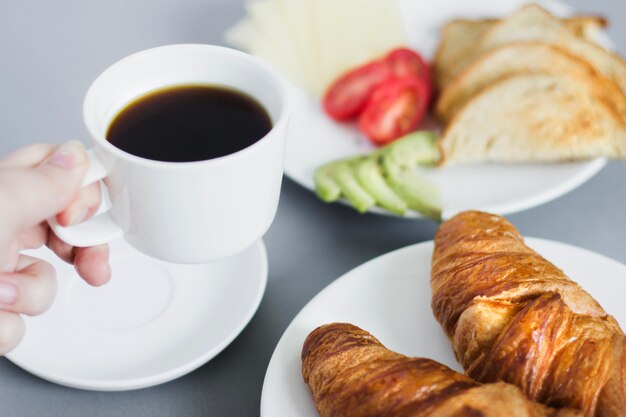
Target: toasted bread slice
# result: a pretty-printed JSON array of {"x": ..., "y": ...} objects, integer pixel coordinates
[
  {"x": 585, "y": 26},
  {"x": 518, "y": 58},
  {"x": 535, "y": 118},
  {"x": 460, "y": 37},
  {"x": 533, "y": 23}
]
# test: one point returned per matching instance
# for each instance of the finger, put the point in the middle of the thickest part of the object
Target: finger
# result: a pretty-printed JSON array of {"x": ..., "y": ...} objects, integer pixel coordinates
[
  {"x": 93, "y": 264},
  {"x": 83, "y": 207},
  {"x": 34, "y": 237},
  {"x": 10, "y": 256},
  {"x": 32, "y": 195},
  {"x": 11, "y": 331},
  {"x": 28, "y": 156},
  {"x": 31, "y": 289},
  {"x": 63, "y": 250}
]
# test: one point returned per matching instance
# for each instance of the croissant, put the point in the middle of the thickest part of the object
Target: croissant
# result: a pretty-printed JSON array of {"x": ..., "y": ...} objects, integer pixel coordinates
[
  {"x": 351, "y": 374},
  {"x": 513, "y": 316}
]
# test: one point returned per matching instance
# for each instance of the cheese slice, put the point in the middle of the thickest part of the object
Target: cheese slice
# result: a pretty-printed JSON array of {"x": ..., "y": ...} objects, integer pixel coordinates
[
  {"x": 351, "y": 32},
  {"x": 312, "y": 42},
  {"x": 274, "y": 39},
  {"x": 297, "y": 15}
]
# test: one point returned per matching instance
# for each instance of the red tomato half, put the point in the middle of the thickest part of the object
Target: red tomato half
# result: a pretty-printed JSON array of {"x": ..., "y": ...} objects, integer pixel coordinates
[
  {"x": 347, "y": 96},
  {"x": 394, "y": 109},
  {"x": 406, "y": 63}
]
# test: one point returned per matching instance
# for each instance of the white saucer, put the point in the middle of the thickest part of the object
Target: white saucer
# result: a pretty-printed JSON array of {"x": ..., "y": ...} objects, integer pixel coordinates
[{"x": 152, "y": 323}]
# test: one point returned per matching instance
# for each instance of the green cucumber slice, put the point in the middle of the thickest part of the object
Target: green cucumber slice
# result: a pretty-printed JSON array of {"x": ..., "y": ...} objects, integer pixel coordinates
[{"x": 370, "y": 175}]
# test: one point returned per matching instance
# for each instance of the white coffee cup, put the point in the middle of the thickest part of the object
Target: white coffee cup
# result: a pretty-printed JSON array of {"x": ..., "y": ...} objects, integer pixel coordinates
[{"x": 189, "y": 212}]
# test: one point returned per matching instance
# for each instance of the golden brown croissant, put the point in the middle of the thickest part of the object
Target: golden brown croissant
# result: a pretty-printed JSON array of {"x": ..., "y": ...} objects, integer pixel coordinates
[
  {"x": 513, "y": 316},
  {"x": 351, "y": 374}
]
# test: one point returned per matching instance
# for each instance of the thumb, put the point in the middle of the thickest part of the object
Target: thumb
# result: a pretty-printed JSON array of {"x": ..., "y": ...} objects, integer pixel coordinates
[{"x": 36, "y": 194}]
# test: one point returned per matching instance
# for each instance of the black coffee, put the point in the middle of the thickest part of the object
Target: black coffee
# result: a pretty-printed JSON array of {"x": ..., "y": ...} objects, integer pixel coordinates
[{"x": 189, "y": 123}]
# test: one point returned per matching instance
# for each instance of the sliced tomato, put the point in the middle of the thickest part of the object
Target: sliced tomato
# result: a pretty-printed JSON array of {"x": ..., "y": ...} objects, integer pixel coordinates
[
  {"x": 394, "y": 109},
  {"x": 348, "y": 95},
  {"x": 406, "y": 63}
]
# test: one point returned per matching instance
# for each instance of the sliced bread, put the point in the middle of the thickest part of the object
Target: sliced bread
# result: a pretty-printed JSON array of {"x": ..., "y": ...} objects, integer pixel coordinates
[
  {"x": 535, "y": 118},
  {"x": 461, "y": 36},
  {"x": 518, "y": 58},
  {"x": 533, "y": 23}
]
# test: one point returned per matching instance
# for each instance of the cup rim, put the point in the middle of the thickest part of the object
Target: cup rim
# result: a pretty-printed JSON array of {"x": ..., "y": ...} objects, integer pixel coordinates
[{"x": 279, "y": 82}]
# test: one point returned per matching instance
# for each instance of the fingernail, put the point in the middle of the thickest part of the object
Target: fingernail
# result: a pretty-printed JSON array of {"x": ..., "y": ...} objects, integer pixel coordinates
[
  {"x": 68, "y": 155},
  {"x": 79, "y": 216},
  {"x": 8, "y": 293}
]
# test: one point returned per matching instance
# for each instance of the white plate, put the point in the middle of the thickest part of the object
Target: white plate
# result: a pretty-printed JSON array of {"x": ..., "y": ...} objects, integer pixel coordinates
[
  {"x": 390, "y": 297},
  {"x": 153, "y": 322},
  {"x": 314, "y": 139}
]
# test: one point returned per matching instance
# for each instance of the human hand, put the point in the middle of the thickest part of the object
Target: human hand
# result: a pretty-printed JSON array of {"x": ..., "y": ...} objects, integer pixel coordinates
[{"x": 36, "y": 183}]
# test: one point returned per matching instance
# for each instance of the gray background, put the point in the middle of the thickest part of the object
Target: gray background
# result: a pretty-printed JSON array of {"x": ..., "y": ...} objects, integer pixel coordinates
[{"x": 50, "y": 51}]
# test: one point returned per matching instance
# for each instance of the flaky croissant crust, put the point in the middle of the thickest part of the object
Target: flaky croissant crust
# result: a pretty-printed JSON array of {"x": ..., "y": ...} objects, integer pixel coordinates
[
  {"x": 351, "y": 374},
  {"x": 513, "y": 316}
]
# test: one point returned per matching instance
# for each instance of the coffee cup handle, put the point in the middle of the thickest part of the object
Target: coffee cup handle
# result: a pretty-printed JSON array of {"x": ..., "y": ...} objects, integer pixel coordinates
[{"x": 101, "y": 228}]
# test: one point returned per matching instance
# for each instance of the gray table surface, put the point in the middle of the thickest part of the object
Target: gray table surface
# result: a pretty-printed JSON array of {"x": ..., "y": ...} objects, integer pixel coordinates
[{"x": 50, "y": 51}]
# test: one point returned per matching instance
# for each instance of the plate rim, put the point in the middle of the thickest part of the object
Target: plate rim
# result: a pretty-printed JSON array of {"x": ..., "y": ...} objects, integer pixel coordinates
[
  {"x": 260, "y": 252},
  {"x": 529, "y": 240}
]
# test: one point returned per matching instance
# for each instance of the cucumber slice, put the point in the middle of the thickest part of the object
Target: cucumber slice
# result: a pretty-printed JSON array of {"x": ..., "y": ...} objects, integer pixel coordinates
[
  {"x": 414, "y": 149},
  {"x": 370, "y": 175},
  {"x": 325, "y": 186},
  {"x": 358, "y": 197},
  {"x": 387, "y": 177},
  {"x": 400, "y": 161},
  {"x": 337, "y": 179},
  {"x": 419, "y": 194}
]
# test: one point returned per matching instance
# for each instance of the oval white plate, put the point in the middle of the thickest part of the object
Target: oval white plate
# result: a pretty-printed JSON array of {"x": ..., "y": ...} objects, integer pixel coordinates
[
  {"x": 314, "y": 139},
  {"x": 390, "y": 297},
  {"x": 152, "y": 323}
]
